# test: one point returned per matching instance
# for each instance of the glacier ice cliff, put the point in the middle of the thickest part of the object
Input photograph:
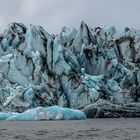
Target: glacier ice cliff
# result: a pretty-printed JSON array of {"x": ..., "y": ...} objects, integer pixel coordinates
[{"x": 74, "y": 69}]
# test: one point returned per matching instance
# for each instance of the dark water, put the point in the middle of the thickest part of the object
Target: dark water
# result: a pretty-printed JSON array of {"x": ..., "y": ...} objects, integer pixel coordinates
[{"x": 96, "y": 129}]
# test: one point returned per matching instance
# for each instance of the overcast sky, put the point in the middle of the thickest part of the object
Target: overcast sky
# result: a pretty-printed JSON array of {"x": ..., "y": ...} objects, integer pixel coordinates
[{"x": 54, "y": 14}]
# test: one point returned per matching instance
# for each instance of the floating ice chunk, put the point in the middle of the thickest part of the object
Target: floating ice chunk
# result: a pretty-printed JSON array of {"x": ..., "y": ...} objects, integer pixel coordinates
[
  {"x": 49, "y": 113},
  {"x": 6, "y": 115}
]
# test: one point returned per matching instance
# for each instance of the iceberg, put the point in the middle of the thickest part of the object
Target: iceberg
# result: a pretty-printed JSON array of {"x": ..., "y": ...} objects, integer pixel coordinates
[{"x": 49, "y": 113}]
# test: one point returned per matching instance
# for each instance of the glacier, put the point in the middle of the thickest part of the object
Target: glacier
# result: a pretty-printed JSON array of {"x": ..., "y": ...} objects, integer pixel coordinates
[{"x": 84, "y": 69}]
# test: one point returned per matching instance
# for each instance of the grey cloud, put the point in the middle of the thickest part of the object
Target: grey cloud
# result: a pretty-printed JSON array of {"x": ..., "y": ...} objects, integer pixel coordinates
[{"x": 54, "y": 14}]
